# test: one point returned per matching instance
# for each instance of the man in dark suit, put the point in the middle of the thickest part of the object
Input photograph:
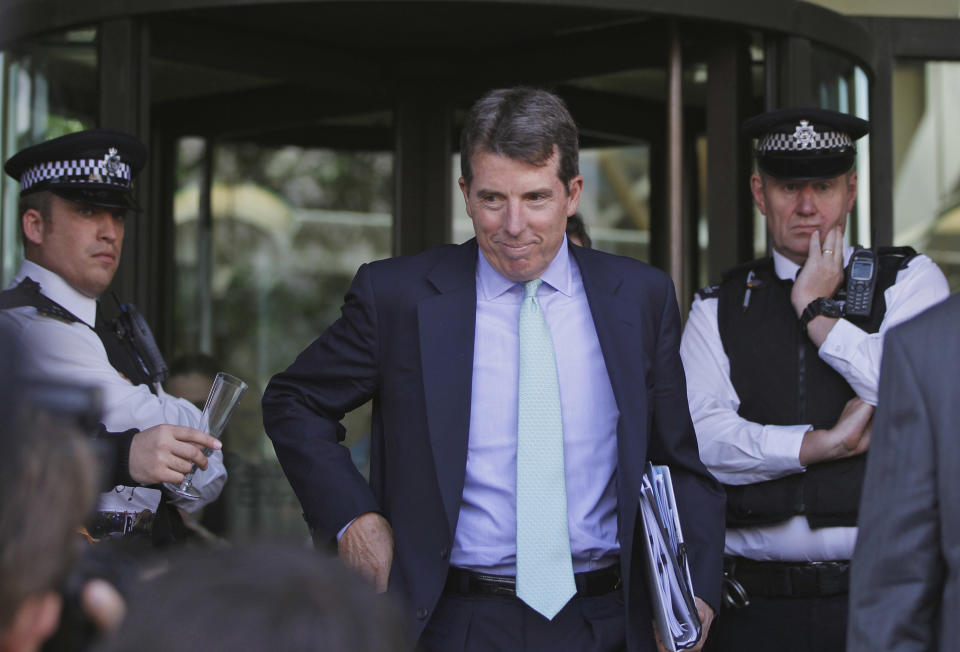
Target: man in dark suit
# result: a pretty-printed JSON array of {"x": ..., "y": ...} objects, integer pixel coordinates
[
  {"x": 448, "y": 345},
  {"x": 904, "y": 592}
]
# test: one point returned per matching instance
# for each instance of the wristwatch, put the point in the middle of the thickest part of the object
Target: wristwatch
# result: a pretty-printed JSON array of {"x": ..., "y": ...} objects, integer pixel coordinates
[{"x": 821, "y": 306}]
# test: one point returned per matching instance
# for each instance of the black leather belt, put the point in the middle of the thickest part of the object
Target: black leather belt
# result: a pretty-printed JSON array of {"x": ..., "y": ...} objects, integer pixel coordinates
[
  {"x": 776, "y": 579},
  {"x": 589, "y": 583}
]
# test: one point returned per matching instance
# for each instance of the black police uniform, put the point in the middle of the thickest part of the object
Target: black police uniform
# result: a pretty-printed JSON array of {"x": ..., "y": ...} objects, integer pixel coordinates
[{"x": 781, "y": 380}]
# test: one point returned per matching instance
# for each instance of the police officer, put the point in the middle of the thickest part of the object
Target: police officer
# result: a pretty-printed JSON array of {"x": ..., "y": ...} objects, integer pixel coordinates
[
  {"x": 782, "y": 379},
  {"x": 75, "y": 193}
]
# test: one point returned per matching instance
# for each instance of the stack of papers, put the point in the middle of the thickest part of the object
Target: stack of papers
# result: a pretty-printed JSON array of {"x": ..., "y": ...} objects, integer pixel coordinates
[{"x": 668, "y": 573}]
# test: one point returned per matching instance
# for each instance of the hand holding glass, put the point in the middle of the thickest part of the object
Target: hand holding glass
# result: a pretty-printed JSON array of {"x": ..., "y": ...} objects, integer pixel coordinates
[{"x": 224, "y": 396}]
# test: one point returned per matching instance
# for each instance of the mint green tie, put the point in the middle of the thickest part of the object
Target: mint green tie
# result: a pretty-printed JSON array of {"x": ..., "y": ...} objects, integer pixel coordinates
[{"x": 544, "y": 568}]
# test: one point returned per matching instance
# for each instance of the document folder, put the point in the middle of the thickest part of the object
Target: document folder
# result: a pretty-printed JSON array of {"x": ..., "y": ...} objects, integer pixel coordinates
[{"x": 668, "y": 572}]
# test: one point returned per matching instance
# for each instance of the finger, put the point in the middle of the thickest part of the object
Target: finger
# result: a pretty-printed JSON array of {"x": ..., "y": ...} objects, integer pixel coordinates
[
  {"x": 828, "y": 242},
  {"x": 656, "y": 636},
  {"x": 834, "y": 243},
  {"x": 837, "y": 244},
  {"x": 177, "y": 464},
  {"x": 171, "y": 476},
  {"x": 814, "y": 249},
  {"x": 198, "y": 437},
  {"x": 102, "y": 604},
  {"x": 190, "y": 453}
]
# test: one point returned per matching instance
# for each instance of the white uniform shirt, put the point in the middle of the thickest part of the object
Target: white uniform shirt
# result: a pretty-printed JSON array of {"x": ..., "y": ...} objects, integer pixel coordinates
[
  {"x": 73, "y": 352},
  {"x": 738, "y": 451}
]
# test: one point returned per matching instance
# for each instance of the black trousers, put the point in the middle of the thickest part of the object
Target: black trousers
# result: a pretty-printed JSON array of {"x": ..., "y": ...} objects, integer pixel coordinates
[
  {"x": 481, "y": 623},
  {"x": 816, "y": 624}
]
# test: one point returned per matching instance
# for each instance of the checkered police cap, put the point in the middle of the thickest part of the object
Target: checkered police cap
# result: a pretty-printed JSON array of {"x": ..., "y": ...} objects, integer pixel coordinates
[
  {"x": 805, "y": 143},
  {"x": 804, "y": 137},
  {"x": 96, "y": 166}
]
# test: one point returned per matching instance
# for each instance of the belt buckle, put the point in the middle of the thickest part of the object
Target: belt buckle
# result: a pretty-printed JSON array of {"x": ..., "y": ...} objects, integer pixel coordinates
[{"x": 832, "y": 577}]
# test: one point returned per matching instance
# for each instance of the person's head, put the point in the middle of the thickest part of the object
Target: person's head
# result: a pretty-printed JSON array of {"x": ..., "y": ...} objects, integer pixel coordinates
[
  {"x": 805, "y": 179},
  {"x": 47, "y": 488},
  {"x": 520, "y": 177},
  {"x": 75, "y": 192},
  {"x": 577, "y": 231},
  {"x": 191, "y": 377},
  {"x": 267, "y": 597}
]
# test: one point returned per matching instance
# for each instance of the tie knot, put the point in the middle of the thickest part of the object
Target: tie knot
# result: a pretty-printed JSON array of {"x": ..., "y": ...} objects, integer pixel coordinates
[{"x": 530, "y": 288}]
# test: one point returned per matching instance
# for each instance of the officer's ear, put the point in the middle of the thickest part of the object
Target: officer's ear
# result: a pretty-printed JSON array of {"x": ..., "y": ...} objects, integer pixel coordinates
[
  {"x": 756, "y": 188},
  {"x": 34, "y": 226},
  {"x": 851, "y": 181}
]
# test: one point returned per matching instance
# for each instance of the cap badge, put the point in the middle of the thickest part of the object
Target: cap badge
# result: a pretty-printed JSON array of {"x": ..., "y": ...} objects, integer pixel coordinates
[
  {"x": 804, "y": 135},
  {"x": 111, "y": 162}
]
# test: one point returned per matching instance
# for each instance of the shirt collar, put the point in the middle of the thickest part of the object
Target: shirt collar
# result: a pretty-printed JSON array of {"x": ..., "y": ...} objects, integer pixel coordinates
[
  {"x": 787, "y": 269},
  {"x": 492, "y": 283},
  {"x": 56, "y": 289}
]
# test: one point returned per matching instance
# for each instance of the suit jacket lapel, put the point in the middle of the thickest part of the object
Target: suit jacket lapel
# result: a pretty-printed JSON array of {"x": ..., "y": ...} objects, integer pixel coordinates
[
  {"x": 620, "y": 330},
  {"x": 618, "y": 323},
  {"x": 447, "y": 324}
]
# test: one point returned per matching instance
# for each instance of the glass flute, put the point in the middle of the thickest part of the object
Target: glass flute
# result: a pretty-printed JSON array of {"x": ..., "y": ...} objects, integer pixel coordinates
[{"x": 225, "y": 394}]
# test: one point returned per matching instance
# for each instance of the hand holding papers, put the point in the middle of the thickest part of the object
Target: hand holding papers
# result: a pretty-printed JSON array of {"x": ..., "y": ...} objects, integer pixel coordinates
[{"x": 668, "y": 573}]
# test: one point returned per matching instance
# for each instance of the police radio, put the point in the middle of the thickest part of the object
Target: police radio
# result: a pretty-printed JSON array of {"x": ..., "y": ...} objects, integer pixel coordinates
[
  {"x": 132, "y": 328},
  {"x": 861, "y": 281}
]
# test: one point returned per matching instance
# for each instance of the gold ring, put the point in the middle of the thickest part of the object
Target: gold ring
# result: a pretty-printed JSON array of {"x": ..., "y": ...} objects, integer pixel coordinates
[{"x": 827, "y": 252}]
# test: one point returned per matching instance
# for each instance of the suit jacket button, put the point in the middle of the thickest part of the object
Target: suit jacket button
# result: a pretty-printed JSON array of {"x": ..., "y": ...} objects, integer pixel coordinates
[
  {"x": 422, "y": 612},
  {"x": 444, "y": 553}
]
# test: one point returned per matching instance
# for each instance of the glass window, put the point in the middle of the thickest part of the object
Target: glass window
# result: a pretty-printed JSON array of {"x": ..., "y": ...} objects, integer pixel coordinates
[
  {"x": 50, "y": 89},
  {"x": 258, "y": 277},
  {"x": 926, "y": 158}
]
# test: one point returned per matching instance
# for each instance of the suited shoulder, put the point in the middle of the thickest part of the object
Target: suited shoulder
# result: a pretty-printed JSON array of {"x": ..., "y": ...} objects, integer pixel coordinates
[
  {"x": 929, "y": 340},
  {"x": 422, "y": 262},
  {"x": 621, "y": 272},
  {"x": 938, "y": 323},
  {"x": 405, "y": 279}
]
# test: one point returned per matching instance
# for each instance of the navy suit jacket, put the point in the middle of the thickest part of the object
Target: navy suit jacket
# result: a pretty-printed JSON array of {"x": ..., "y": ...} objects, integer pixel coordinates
[{"x": 405, "y": 340}]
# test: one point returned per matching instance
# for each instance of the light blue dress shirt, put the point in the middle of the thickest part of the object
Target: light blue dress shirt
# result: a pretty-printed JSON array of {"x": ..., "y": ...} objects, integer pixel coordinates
[{"x": 485, "y": 539}]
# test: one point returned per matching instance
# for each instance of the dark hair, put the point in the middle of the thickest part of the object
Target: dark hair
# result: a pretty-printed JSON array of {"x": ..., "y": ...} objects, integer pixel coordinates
[
  {"x": 48, "y": 477},
  {"x": 521, "y": 123},
  {"x": 38, "y": 201},
  {"x": 266, "y": 597},
  {"x": 577, "y": 229},
  {"x": 200, "y": 363}
]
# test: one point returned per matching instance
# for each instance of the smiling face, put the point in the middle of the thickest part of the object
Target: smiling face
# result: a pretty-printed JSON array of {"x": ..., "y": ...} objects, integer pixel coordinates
[
  {"x": 795, "y": 209},
  {"x": 519, "y": 212},
  {"x": 79, "y": 242}
]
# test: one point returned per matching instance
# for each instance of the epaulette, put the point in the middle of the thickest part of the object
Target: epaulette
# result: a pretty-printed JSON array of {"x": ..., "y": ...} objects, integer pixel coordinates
[
  {"x": 709, "y": 292},
  {"x": 27, "y": 293},
  {"x": 905, "y": 254}
]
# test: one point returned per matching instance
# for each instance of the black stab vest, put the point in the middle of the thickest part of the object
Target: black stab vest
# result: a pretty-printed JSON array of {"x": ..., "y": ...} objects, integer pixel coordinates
[
  {"x": 781, "y": 380},
  {"x": 119, "y": 353}
]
